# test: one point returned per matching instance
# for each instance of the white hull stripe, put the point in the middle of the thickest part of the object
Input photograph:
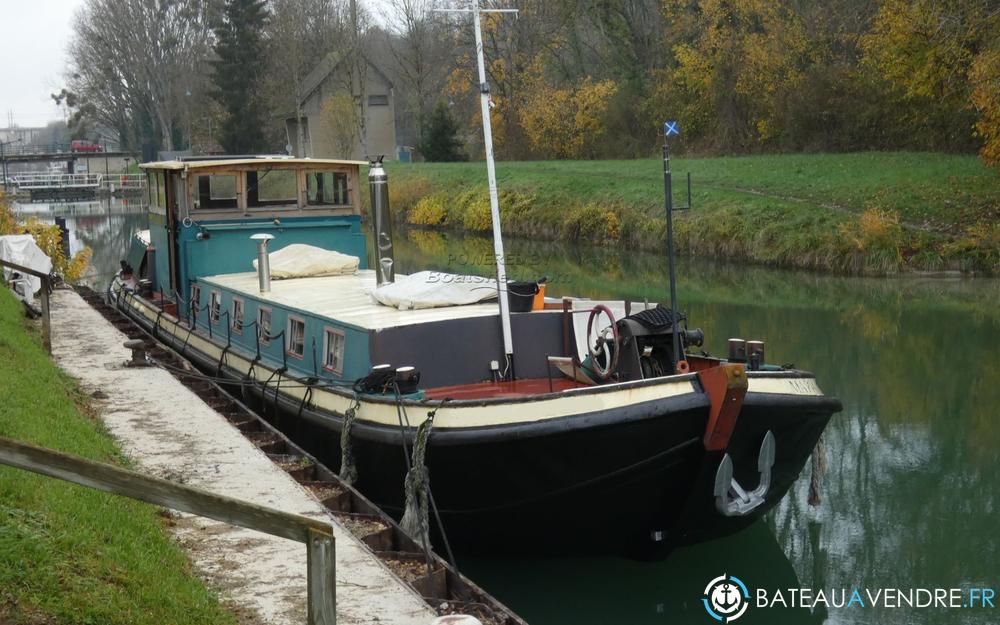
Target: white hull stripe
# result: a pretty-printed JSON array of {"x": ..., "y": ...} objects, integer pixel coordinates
[{"x": 506, "y": 413}]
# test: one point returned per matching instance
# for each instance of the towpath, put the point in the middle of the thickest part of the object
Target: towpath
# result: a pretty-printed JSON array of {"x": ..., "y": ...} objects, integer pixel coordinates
[{"x": 169, "y": 432}]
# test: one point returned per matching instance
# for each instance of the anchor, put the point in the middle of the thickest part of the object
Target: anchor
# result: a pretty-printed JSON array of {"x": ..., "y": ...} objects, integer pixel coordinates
[{"x": 731, "y": 499}]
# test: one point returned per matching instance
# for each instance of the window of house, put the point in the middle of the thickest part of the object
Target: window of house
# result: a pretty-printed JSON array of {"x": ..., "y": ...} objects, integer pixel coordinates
[
  {"x": 237, "y": 315},
  {"x": 324, "y": 188},
  {"x": 272, "y": 187},
  {"x": 215, "y": 307},
  {"x": 333, "y": 350},
  {"x": 195, "y": 303},
  {"x": 378, "y": 100},
  {"x": 296, "y": 337},
  {"x": 264, "y": 325},
  {"x": 215, "y": 191}
]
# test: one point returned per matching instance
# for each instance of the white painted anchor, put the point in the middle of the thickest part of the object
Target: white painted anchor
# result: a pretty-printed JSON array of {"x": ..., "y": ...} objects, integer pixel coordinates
[{"x": 731, "y": 499}]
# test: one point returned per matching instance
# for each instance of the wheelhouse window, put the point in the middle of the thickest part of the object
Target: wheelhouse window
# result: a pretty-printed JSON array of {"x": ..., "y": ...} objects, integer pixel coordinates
[
  {"x": 194, "y": 304},
  {"x": 237, "y": 315},
  {"x": 333, "y": 350},
  {"x": 296, "y": 337},
  {"x": 272, "y": 187},
  {"x": 215, "y": 307},
  {"x": 215, "y": 191},
  {"x": 264, "y": 325},
  {"x": 327, "y": 188}
]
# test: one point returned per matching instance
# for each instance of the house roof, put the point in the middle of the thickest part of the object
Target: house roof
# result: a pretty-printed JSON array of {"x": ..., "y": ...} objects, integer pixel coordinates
[{"x": 326, "y": 66}]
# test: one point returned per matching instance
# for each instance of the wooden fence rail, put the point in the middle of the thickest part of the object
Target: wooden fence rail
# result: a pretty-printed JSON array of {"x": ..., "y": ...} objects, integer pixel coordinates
[
  {"x": 316, "y": 534},
  {"x": 46, "y": 319}
]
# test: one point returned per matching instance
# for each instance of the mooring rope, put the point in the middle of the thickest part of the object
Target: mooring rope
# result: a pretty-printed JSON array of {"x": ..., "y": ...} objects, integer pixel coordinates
[
  {"x": 416, "y": 519},
  {"x": 348, "y": 468}
]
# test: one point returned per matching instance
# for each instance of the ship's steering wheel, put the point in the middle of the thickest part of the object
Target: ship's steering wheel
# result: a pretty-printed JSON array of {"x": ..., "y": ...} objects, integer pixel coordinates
[{"x": 603, "y": 345}]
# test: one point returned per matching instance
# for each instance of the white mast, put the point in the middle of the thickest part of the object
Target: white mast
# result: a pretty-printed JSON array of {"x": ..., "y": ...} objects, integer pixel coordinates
[{"x": 484, "y": 98}]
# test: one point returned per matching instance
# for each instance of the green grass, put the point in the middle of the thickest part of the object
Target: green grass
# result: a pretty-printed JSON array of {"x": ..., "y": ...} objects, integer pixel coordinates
[
  {"x": 850, "y": 213},
  {"x": 69, "y": 554}
]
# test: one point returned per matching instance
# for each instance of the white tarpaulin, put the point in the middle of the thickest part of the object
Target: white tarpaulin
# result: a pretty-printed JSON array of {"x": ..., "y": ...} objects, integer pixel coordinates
[
  {"x": 22, "y": 249},
  {"x": 304, "y": 261},
  {"x": 433, "y": 289}
]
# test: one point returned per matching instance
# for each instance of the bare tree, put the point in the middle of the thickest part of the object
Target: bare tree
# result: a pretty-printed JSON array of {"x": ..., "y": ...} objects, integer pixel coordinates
[
  {"x": 302, "y": 32},
  {"x": 136, "y": 57},
  {"x": 420, "y": 44}
]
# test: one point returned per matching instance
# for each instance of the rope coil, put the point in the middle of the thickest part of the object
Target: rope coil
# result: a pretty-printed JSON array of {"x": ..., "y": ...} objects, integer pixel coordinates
[{"x": 416, "y": 519}]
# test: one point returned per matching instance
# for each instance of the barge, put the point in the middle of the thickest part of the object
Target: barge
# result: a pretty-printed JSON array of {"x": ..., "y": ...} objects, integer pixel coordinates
[{"x": 512, "y": 421}]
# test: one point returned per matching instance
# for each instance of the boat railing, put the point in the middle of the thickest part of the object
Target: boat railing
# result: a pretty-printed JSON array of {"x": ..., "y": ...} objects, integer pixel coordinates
[{"x": 316, "y": 534}]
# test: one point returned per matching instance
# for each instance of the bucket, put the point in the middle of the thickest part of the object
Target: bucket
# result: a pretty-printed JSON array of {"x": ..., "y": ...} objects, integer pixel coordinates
[{"x": 521, "y": 295}]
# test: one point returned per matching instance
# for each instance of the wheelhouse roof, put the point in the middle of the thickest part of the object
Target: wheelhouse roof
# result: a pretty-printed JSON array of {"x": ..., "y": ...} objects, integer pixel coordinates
[{"x": 242, "y": 161}]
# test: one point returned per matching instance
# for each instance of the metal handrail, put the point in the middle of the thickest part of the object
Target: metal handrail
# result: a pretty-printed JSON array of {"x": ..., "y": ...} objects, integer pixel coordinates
[{"x": 317, "y": 535}]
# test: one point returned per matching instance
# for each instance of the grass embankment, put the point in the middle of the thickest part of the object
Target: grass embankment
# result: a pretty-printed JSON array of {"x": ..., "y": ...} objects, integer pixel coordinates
[
  {"x": 847, "y": 213},
  {"x": 70, "y": 554}
]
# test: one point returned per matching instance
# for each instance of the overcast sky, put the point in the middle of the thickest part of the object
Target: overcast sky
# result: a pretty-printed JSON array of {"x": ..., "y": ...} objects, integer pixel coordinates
[
  {"x": 33, "y": 38},
  {"x": 32, "y": 58}
]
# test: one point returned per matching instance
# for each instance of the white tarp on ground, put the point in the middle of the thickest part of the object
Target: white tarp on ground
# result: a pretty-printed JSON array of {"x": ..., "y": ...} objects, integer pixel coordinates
[
  {"x": 22, "y": 249},
  {"x": 304, "y": 261},
  {"x": 433, "y": 289}
]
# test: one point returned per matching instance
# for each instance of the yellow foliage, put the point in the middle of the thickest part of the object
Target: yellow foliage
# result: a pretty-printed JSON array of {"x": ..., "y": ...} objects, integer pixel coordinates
[
  {"x": 568, "y": 123},
  {"x": 48, "y": 237},
  {"x": 746, "y": 56},
  {"x": 477, "y": 216},
  {"x": 985, "y": 77},
  {"x": 429, "y": 211},
  {"x": 340, "y": 121}
]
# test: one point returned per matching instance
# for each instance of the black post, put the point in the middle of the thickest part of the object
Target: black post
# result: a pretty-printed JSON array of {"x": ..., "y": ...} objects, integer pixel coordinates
[{"x": 669, "y": 201}]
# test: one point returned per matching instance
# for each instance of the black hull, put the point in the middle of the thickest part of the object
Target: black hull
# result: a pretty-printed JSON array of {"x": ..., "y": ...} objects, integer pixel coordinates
[{"x": 605, "y": 482}]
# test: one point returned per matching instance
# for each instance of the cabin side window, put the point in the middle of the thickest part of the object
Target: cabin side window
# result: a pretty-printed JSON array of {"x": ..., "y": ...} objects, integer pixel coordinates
[
  {"x": 333, "y": 351},
  {"x": 215, "y": 307},
  {"x": 237, "y": 315},
  {"x": 161, "y": 191},
  {"x": 327, "y": 188},
  {"x": 296, "y": 337},
  {"x": 272, "y": 187},
  {"x": 194, "y": 304},
  {"x": 214, "y": 191},
  {"x": 264, "y": 325}
]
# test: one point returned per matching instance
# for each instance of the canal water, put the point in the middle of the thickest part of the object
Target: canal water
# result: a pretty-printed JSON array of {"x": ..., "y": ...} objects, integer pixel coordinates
[{"x": 909, "y": 491}]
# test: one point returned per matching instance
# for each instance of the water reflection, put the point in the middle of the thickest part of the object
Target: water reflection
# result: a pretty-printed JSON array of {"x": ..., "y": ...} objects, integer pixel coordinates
[
  {"x": 909, "y": 495},
  {"x": 104, "y": 225}
]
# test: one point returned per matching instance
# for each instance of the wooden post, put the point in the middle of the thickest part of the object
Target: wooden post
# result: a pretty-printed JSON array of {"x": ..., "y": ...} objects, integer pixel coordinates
[
  {"x": 322, "y": 582},
  {"x": 46, "y": 319}
]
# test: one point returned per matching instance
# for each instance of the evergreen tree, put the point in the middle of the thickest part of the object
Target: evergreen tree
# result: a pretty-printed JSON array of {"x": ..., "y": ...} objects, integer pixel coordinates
[
  {"x": 440, "y": 141},
  {"x": 237, "y": 74}
]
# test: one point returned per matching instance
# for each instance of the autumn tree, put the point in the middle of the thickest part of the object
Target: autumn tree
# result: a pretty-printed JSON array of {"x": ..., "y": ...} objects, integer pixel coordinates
[
  {"x": 733, "y": 65},
  {"x": 942, "y": 55},
  {"x": 568, "y": 123}
]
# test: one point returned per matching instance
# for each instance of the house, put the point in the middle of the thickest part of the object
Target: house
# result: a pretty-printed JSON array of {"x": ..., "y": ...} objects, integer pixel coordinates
[{"x": 329, "y": 126}]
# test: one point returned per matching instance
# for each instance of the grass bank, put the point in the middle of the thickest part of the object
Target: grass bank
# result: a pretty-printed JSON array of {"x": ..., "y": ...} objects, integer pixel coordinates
[
  {"x": 69, "y": 554},
  {"x": 870, "y": 213}
]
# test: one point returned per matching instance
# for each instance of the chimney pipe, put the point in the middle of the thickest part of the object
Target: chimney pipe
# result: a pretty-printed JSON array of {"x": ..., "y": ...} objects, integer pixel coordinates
[
  {"x": 263, "y": 261},
  {"x": 378, "y": 183}
]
